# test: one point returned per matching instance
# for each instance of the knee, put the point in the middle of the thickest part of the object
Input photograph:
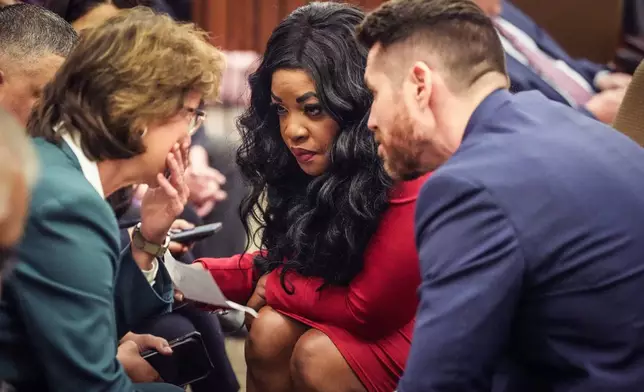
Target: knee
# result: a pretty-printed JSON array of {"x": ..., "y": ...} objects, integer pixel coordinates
[
  {"x": 269, "y": 337},
  {"x": 311, "y": 364}
]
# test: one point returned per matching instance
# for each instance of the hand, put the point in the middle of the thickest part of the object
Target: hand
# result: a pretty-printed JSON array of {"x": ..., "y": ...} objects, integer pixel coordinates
[
  {"x": 205, "y": 186},
  {"x": 147, "y": 342},
  {"x": 257, "y": 300},
  {"x": 137, "y": 368},
  {"x": 260, "y": 289},
  {"x": 612, "y": 81},
  {"x": 604, "y": 105},
  {"x": 177, "y": 248},
  {"x": 205, "y": 183},
  {"x": 161, "y": 205},
  {"x": 178, "y": 295}
]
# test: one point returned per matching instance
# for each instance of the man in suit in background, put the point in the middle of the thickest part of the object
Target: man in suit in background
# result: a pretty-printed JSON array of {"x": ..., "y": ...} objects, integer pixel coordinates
[
  {"x": 536, "y": 62},
  {"x": 530, "y": 231}
]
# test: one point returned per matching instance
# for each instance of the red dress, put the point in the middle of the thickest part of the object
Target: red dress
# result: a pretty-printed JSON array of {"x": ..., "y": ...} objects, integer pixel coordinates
[{"x": 371, "y": 320}]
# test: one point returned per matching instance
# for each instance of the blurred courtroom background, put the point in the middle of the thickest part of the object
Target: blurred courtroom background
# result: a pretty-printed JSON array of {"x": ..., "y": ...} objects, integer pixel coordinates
[
  {"x": 586, "y": 28},
  {"x": 247, "y": 24}
]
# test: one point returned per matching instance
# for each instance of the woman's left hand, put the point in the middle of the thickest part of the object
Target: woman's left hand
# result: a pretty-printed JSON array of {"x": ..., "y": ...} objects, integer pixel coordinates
[
  {"x": 177, "y": 249},
  {"x": 161, "y": 205},
  {"x": 257, "y": 300}
]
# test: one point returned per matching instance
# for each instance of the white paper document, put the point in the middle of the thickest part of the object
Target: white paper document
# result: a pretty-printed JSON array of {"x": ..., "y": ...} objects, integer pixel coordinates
[{"x": 199, "y": 285}]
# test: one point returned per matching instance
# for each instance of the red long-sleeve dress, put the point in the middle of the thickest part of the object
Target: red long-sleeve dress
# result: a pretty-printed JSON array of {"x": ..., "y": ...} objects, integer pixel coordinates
[{"x": 371, "y": 320}]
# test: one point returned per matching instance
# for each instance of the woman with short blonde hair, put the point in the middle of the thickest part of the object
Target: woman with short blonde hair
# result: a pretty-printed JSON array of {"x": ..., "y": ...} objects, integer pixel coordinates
[{"x": 135, "y": 69}]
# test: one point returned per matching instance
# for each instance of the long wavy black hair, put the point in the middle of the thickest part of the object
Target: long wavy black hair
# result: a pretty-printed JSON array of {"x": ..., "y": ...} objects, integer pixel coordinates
[{"x": 316, "y": 226}]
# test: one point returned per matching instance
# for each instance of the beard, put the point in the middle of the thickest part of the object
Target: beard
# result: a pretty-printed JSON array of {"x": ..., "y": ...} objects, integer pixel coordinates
[
  {"x": 401, "y": 167},
  {"x": 402, "y": 154}
]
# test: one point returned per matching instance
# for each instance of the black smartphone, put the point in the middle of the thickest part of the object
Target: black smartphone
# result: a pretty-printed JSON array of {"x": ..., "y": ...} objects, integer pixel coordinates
[
  {"x": 198, "y": 233},
  {"x": 188, "y": 363}
]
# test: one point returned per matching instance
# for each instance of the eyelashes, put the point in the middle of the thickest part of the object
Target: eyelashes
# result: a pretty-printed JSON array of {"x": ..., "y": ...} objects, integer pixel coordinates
[
  {"x": 311, "y": 110},
  {"x": 278, "y": 109}
]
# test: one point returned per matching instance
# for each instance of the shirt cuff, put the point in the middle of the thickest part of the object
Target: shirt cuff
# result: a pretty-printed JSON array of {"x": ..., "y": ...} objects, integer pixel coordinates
[
  {"x": 598, "y": 75},
  {"x": 151, "y": 274}
]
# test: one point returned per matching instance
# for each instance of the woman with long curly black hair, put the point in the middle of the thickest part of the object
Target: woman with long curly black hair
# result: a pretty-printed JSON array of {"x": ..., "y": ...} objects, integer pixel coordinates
[{"x": 337, "y": 272}]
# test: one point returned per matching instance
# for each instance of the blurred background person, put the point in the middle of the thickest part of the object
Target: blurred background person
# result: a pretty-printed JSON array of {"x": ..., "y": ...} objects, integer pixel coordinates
[
  {"x": 536, "y": 62},
  {"x": 17, "y": 175},
  {"x": 219, "y": 147},
  {"x": 33, "y": 44}
]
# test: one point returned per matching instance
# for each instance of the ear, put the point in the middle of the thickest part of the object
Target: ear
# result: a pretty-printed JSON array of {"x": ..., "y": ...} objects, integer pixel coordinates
[
  {"x": 2, "y": 78},
  {"x": 417, "y": 87}
]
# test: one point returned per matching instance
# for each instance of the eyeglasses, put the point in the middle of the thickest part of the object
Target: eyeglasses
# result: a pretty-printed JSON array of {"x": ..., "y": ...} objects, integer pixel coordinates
[{"x": 197, "y": 117}]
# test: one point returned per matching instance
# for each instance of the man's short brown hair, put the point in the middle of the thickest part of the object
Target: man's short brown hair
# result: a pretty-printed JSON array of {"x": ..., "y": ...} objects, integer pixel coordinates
[
  {"x": 458, "y": 31},
  {"x": 133, "y": 70}
]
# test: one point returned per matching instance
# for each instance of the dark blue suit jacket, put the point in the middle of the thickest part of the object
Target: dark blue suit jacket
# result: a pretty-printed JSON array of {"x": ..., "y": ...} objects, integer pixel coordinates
[
  {"x": 531, "y": 245},
  {"x": 522, "y": 77}
]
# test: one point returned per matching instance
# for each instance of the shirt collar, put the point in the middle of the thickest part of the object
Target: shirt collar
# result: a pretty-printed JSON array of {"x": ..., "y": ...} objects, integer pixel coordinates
[{"x": 88, "y": 167}]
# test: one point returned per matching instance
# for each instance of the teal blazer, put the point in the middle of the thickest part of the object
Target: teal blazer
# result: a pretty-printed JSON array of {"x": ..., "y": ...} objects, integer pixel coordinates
[{"x": 71, "y": 297}]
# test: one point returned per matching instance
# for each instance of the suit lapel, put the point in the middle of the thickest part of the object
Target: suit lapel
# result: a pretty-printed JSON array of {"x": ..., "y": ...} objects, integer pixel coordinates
[
  {"x": 54, "y": 151},
  {"x": 70, "y": 154}
]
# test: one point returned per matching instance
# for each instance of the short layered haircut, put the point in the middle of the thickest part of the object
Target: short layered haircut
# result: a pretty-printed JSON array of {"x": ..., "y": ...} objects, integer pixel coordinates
[
  {"x": 457, "y": 31},
  {"x": 29, "y": 31},
  {"x": 130, "y": 71}
]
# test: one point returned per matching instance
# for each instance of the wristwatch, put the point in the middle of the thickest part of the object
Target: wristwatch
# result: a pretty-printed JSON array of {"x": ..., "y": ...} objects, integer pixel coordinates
[{"x": 141, "y": 243}]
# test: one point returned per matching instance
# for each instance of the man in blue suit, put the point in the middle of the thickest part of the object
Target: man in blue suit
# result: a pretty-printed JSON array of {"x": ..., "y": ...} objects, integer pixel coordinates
[
  {"x": 530, "y": 231},
  {"x": 536, "y": 62}
]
